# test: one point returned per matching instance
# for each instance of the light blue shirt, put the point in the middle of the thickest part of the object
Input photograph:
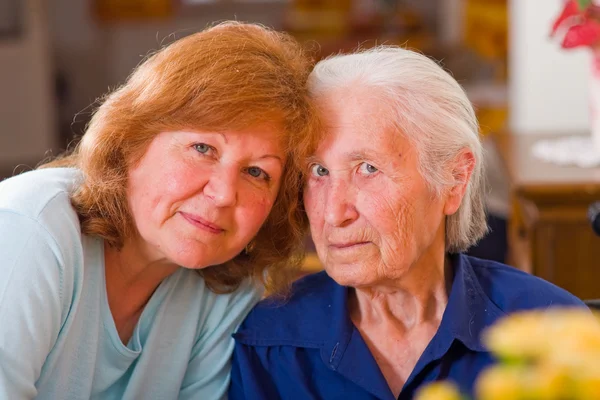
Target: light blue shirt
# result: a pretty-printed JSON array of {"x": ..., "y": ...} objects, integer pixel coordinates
[{"x": 57, "y": 335}]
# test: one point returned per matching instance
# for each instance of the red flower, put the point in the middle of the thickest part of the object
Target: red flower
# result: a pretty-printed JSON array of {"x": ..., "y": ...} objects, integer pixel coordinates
[
  {"x": 571, "y": 9},
  {"x": 585, "y": 34},
  {"x": 581, "y": 18}
]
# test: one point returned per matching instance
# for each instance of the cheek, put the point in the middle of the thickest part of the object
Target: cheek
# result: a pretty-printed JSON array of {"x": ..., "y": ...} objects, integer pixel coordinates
[
  {"x": 314, "y": 205},
  {"x": 403, "y": 213},
  {"x": 405, "y": 223},
  {"x": 254, "y": 212},
  {"x": 141, "y": 199},
  {"x": 392, "y": 216},
  {"x": 160, "y": 201},
  {"x": 182, "y": 180}
]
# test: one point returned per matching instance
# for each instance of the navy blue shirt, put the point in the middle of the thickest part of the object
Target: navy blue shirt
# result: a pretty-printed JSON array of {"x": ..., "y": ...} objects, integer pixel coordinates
[{"x": 308, "y": 348}]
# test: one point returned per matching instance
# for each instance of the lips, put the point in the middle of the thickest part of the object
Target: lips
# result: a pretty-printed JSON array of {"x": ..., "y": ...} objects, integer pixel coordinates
[
  {"x": 202, "y": 223},
  {"x": 346, "y": 245}
]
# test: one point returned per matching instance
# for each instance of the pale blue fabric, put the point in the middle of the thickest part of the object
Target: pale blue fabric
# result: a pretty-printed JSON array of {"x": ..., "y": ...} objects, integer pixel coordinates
[{"x": 57, "y": 336}]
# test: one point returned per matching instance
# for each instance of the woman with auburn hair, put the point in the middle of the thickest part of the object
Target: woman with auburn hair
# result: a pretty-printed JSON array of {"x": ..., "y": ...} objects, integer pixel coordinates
[{"x": 128, "y": 264}]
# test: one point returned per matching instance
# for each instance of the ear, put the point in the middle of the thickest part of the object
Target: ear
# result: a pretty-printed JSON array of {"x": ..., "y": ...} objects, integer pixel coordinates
[{"x": 462, "y": 169}]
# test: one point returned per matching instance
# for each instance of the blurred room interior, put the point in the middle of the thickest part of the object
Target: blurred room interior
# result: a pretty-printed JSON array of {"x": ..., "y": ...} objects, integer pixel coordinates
[{"x": 57, "y": 57}]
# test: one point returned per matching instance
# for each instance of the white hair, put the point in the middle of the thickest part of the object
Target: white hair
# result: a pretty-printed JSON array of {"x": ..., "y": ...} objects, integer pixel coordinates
[{"x": 431, "y": 110}]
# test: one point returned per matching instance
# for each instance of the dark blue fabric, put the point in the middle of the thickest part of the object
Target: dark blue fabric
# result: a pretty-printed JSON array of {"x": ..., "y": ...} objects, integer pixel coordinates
[
  {"x": 494, "y": 245},
  {"x": 308, "y": 348}
]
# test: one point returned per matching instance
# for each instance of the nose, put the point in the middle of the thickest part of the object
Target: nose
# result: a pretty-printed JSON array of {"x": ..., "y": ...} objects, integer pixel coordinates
[
  {"x": 222, "y": 187},
  {"x": 339, "y": 206}
]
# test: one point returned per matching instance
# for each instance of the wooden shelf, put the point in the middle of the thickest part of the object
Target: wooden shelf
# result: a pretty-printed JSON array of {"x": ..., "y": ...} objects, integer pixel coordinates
[{"x": 549, "y": 234}]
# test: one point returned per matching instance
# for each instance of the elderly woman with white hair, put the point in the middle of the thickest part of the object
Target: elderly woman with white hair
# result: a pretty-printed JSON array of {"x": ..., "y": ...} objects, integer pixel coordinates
[{"x": 394, "y": 193}]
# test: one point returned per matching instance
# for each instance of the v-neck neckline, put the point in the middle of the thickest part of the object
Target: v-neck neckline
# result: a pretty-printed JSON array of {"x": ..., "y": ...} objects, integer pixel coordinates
[{"x": 134, "y": 346}]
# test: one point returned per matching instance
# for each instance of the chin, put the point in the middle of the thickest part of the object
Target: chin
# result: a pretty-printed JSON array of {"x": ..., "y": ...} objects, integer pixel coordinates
[
  {"x": 191, "y": 254},
  {"x": 352, "y": 275},
  {"x": 189, "y": 261},
  {"x": 193, "y": 266}
]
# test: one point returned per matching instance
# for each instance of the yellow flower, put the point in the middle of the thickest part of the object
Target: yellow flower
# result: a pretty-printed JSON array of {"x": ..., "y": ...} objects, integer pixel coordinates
[
  {"x": 438, "y": 391},
  {"x": 547, "y": 382},
  {"x": 519, "y": 336},
  {"x": 549, "y": 354},
  {"x": 501, "y": 383},
  {"x": 544, "y": 334},
  {"x": 586, "y": 380}
]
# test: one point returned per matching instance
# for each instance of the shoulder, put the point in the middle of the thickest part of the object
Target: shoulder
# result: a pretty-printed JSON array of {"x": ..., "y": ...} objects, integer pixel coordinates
[
  {"x": 212, "y": 310},
  {"x": 38, "y": 222},
  {"x": 40, "y": 236},
  {"x": 299, "y": 317},
  {"x": 192, "y": 285},
  {"x": 42, "y": 198},
  {"x": 31, "y": 192},
  {"x": 511, "y": 289}
]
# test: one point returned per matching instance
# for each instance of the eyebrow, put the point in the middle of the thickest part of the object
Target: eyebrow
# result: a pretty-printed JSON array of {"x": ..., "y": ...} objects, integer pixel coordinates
[
  {"x": 361, "y": 155},
  {"x": 261, "y": 157},
  {"x": 312, "y": 160},
  {"x": 223, "y": 136},
  {"x": 271, "y": 156},
  {"x": 353, "y": 156}
]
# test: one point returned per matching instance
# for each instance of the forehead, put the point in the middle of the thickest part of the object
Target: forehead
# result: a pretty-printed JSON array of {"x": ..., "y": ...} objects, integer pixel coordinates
[
  {"x": 251, "y": 142},
  {"x": 357, "y": 120}
]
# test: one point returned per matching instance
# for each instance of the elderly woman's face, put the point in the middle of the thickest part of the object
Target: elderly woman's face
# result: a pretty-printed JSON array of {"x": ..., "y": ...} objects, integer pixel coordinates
[
  {"x": 372, "y": 215},
  {"x": 198, "y": 198}
]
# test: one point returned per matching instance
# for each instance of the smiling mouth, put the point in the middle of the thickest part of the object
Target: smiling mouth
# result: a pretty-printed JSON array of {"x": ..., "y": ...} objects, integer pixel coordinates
[{"x": 202, "y": 223}]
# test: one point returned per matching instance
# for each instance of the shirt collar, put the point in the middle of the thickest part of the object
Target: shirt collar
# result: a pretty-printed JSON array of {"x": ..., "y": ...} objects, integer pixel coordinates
[
  {"x": 317, "y": 314},
  {"x": 469, "y": 310}
]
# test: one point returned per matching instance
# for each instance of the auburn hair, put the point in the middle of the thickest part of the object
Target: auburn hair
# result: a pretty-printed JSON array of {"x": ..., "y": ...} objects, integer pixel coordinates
[{"x": 232, "y": 76}]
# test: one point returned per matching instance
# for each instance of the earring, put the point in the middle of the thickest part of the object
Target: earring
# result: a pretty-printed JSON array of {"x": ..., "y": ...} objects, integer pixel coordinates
[{"x": 249, "y": 247}]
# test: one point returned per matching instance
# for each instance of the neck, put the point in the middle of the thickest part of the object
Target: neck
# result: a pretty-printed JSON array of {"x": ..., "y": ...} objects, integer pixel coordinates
[
  {"x": 132, "y": 278},
  {"x": 420, "y": 296}
]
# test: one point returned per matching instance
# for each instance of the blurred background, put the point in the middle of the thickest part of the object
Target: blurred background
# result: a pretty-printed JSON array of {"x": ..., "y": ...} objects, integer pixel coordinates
[{"x": 58, "y": 56}]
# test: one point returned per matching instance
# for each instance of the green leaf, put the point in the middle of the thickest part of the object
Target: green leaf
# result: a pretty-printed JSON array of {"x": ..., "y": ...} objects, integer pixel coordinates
[{"x": 583, "y": 4}]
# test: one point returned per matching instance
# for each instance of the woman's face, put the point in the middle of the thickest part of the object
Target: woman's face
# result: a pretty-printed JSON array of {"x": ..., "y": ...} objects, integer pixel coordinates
[
  {"x": 372, "y": 215},
  {"x": 198, "y": 198}
]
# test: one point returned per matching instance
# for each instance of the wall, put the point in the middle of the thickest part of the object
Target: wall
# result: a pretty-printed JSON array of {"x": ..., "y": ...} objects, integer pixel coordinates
[
  {"x": 62, "y": 37},
  {"x": 127, "y": 44},
  {"x": 27, "y": 119},
  {"x": 97, "y": 56},
  {"x": 80, "y": 56},
  {"x": 548, "y": 87}
]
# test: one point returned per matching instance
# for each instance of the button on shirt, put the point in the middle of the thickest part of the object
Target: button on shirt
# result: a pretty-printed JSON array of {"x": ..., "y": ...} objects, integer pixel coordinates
[{"x": 308, "y": 348}]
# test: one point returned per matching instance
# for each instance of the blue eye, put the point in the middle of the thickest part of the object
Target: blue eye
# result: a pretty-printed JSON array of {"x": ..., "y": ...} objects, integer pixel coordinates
[
  {"x": 202, "y": 148},
  {"x": 367, "y": 169},
  {"x": 319, "y": 170},
  {"x": 256, "y": 172}
]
